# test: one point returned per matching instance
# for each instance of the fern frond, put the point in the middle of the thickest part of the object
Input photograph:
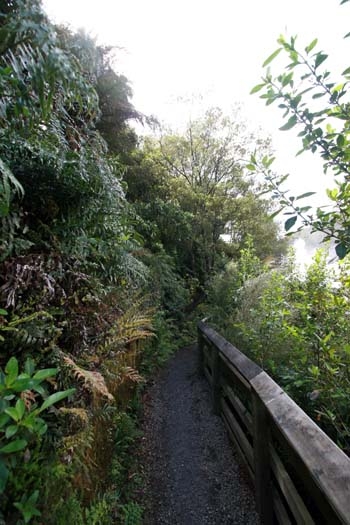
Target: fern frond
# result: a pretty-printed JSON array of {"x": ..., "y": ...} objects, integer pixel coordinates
[
  {"x": 28, "y": 397},
  {"x": 131, "y": 374},
  {"x": 133, "y": 325},
  {"x": 93, "y": 381}
]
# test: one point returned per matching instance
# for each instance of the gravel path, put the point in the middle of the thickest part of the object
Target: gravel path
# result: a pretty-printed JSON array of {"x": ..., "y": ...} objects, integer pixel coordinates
[{"x": 192, "y": 472}]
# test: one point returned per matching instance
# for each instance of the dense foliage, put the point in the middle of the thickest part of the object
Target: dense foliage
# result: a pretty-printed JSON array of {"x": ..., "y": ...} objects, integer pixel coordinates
[
  {"x": 192, "y": 189},
  {"x": 105, "y": 253},
  {"x": 295, "y": 325},
  {"x": 67, "y": 271}
]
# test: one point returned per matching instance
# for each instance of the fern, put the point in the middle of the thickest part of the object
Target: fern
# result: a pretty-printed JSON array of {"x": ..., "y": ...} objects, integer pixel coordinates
[
  {"x": 133, "y": 325},
  {"x": 92, "y": 381}
]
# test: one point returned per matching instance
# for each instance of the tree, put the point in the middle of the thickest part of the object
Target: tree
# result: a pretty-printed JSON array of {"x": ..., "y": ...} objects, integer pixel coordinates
[
  {"x": 207, "y": 167},
  {"x": 52, "y": 153},
  {"x": 319, "y": 105},
  {"x": 113, "y": 90},
  {"x": 200, "y": 192},
  {"x": 208, "y": 156}
]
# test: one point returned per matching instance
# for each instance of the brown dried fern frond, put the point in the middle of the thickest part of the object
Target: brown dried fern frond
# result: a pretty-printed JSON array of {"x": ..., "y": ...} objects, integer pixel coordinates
[
  {"x": 94, "y": 382},
  {"x": 127, "y": 373},
  {"x": 28, "y": 397}
]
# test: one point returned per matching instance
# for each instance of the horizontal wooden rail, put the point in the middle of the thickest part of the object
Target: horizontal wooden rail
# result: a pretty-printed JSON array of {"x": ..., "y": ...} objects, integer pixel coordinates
[{"x": 301, "y": 476}]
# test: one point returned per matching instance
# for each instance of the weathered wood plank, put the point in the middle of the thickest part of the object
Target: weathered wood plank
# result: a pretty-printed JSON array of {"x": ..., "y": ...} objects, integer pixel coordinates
[
  {"x": 206, "y": 352},
  {"x": 279, "y": 509},
  {"x": 241, "y": 410},
  {"x": 246, "y": 367},
  {"x": 327, "y": 466},
  {"x": 266, "y": 388},
  {"x": 238, "y": 376},
  {"x": 216, "y": 385},
  {"x": 208, "y": 346},
  {"x": 239, "y": 434},
  {"x": 200, "y": 351},
  {"x": 207, "y": 375},
  {"x": 212, "y": 351},
  {"x": 287, "y": 487},
  {"x": 237, "y": 446},
  {"x": 207, "y": 360},
  {"x": 262, "y": 461}
]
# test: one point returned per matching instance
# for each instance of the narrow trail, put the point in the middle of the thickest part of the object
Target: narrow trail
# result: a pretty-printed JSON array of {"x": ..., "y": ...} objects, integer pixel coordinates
[{"x": 192, "y": 470}]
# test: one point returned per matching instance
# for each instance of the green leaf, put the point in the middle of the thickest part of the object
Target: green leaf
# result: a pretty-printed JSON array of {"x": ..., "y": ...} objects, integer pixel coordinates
[
  {"x": 9, "y": 184},
  {"x": 28, "y": 506},
  {"x": 23, "y": 383},
  {"x": 340, "y": 141},
  {"x": 55, "y": 398},
  {"x": 275, "y": 213},
  {"x": 20, "y": 407},
  {"x": 40, "y": 390},
  {"x": 304, "y": 195},
  {"x": 347, "y": 70},
  {"x": 268, "y": 161},
  {"x": 15, "y": 446},
  {"x": 332, "y": 194},
  {"x": 272, "y": 57},
  {"x": 290, "y": 223},
  {"x": 4, "y": 418},
  {"x": 42, "y": 428},
  {"x": 257, "y": 88},
  {"x": 44, "y": 374},
  {"x": 3, "y": 312},
  {"x": 11, "y": 371},
  {"x": 12, "y": 412},
  {"x": 11, "y": 430},
  {"x": 29, "y": 367},
  {"x": 34, "y": 498},
  {"x": 320, "y": 57},
  {"x": 290, "y": 124},
  {"x": 341, "y": 250},
  {"x": 311, "y": 46},
  {"x": 318, "y": 95}
]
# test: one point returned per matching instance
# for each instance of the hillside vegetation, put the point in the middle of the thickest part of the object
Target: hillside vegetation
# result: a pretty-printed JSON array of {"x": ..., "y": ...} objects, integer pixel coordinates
[{"x": 108, "y": 243}]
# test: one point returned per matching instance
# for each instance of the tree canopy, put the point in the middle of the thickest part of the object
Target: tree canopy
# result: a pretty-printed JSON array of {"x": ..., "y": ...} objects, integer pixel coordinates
[{"x": 200, "y": 191}]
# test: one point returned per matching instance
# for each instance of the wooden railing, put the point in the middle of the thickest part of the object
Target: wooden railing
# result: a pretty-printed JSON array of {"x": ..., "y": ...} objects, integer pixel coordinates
[{"x": 300, "y": 474}]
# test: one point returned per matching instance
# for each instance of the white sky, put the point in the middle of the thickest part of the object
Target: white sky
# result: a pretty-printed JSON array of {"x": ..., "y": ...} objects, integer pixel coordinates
[{"x": 214, "y": 48}]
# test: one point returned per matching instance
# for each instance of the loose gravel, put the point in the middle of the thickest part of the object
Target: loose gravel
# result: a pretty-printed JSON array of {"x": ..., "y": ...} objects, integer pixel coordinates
[{"x": 193, "y": 476}]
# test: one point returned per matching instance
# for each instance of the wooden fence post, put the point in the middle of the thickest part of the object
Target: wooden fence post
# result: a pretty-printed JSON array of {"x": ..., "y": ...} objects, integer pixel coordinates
[
  {"x": 216, "y": 376},
  {"x": 200, "y": 351},
  {"x": 262, "y": 462}
]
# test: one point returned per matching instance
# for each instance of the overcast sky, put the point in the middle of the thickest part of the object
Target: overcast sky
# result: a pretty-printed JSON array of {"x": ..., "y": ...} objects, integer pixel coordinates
[{"x": 182, "y": 48}]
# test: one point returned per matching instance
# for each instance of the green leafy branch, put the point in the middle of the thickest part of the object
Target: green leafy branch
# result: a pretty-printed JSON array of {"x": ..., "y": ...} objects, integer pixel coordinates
[
  {"x": 20, "y": 417},
  {"x": 326, "y": 128}
]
